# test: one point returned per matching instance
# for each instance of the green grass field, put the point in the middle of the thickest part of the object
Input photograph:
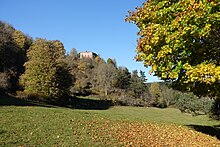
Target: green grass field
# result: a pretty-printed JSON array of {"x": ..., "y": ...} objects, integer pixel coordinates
[{"x": 116, "y": 126}]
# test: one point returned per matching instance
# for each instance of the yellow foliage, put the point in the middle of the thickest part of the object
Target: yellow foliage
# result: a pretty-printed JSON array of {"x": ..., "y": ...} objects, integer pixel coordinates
[
  {"x": 173, "y": 75},
  {"x": 19, "y": 38},
  {"x": 208, "y": 73},
  {"x": 164, "y": 51}
]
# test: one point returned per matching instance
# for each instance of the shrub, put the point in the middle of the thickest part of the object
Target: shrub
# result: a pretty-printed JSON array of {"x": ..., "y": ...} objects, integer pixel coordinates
[
  {"x": 5, "y": 83},
  {"x": 161, "y": 103},
  {"x": 31, "y": 96},
  {"x": 161, "y": 95},
  {"x": 215, "y": 109},
  {"x": 188, "y": 102},
  {"x": 130, "y": 101}
]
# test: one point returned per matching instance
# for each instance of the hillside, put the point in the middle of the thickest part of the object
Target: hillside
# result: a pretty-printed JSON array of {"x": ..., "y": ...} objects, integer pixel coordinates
[{"x": 51, "y": 125}]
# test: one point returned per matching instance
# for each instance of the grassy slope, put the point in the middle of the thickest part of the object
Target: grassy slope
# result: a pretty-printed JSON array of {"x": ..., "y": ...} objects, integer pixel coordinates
[
  {"x": 169, "y": 115},
  {"x": 29, "y": 125}
]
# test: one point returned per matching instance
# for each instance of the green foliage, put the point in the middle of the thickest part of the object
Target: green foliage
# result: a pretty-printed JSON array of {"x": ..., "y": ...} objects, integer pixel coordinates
[
  {"x": 180, "y": 41},
  {"x": 128, "y": 99},
  {"x": 45, "y": 70},
  {"x": 131, "y": 87},
  {"x": 137, "y": 84},
  {"x": 123, "y": 78},
  {"x": 188, "y": 102},
  {"x": 215, "y": 109}
]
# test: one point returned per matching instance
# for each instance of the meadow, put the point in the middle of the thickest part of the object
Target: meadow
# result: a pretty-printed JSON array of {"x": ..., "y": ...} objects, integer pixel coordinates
[{"x": 48, "y": 125}]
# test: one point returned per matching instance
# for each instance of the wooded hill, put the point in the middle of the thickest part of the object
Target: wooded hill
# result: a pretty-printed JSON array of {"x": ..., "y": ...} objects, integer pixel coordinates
[{"x": 41, "y": 69}]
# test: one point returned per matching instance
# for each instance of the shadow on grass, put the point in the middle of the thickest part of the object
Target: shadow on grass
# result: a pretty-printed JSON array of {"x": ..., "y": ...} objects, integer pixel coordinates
[
  {"x": 71, "y": 102},
  {"x": 88, "y": 104},
  {"x": 14, "y": 101},
  {"x": 209, "y": 130}
]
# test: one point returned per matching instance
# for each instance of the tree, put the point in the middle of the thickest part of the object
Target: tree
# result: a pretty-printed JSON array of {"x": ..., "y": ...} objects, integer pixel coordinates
[
  {"x": 155, "y": 92},
  {"x": 23, "y": 42},
  {"x": 74, "y": 53},
  {"x": 8, "y": 55},
  {"x": 46, "y": 71},
  {"x": 143, "y": 76},
  {"x": 112, "y": 61},
  {"x": 99, "y": 60},
  {"x": 180, "y": 40},
  {"x": 123, "y": 78},
  {"x": 13, "y": 47},
  {"x": 105, "y": 75},
  {"x": 5, "y": 83},
  {"x": 167, "y": 95},
  {"x": 72, "y": 60},
  {"x": 137, "y": 84}
]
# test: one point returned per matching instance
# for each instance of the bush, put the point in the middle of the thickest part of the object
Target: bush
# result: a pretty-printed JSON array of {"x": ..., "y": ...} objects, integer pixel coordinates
[
  {"x": 31, "y": 96},
  {"x": 161, "y": 95},
  {"x": 5, "y": 83},
  {"x": 215, "y": 109},
  {"x": 189, "y": 103},
  {"x": 161, "y": 103},
  {"x": 130, "y": 101}
]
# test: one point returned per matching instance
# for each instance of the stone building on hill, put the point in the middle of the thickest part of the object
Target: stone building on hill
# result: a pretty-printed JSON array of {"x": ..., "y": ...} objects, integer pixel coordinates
[{"x": 87, "y": 54}]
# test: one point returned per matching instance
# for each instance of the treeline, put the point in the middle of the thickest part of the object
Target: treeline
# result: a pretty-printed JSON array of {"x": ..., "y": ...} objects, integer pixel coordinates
[
  {"x": 41, "y": 69},
  {"x": 104, "y": 79}
]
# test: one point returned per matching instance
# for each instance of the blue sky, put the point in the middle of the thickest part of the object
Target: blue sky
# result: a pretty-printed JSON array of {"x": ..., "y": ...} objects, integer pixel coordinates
[{"x": 87, "y": 25}]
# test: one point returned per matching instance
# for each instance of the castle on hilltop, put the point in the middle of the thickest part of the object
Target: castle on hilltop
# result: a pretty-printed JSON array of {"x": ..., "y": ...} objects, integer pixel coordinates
[{"x": 87, "y": 54}]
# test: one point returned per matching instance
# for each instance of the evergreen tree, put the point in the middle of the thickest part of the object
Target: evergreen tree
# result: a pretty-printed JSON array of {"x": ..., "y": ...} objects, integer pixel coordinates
[
  {"x": 137, "y": 84},
  {"x": 123, "y": 78}
]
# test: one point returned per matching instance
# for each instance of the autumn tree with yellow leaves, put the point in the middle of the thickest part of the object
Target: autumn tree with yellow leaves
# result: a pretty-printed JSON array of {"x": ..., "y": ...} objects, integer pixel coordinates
[
  {"x": 180, "y": 40},
  {"x": 46, "y": 73}
]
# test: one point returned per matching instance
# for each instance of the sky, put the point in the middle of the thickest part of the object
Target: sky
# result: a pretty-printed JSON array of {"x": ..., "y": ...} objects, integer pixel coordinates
[{"x": 86, "y": 25}]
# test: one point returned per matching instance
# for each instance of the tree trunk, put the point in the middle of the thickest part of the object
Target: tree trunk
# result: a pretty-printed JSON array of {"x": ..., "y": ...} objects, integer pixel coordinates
[{"x": 106, "y": 91}]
